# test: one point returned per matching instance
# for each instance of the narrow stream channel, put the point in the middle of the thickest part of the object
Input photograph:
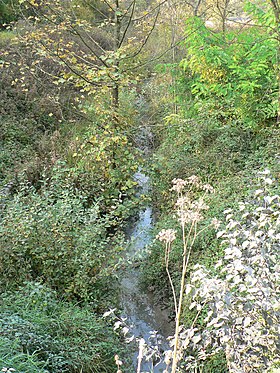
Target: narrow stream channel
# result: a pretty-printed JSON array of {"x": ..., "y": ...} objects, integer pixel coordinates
[{"x": 143, "y": 315}]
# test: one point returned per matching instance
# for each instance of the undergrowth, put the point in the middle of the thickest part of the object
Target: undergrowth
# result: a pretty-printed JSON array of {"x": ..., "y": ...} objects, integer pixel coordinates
[{"x": 41, "y": 333}]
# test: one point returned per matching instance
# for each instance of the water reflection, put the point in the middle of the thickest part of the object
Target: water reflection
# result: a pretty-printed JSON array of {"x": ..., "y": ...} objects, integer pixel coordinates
[{"x": 139, "y": 307}]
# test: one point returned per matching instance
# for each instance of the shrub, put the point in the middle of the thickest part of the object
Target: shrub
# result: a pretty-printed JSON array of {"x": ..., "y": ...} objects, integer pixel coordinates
[
  {"x": 234, "y": 72},
  {"x": 242, "y": 300},
  {"x": 53, "y": 236}
]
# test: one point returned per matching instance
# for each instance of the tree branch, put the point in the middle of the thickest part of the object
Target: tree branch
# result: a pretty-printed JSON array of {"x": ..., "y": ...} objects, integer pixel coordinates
[
  {"x": 147, "y": 37},
  {"x": 128, "y": 23}
]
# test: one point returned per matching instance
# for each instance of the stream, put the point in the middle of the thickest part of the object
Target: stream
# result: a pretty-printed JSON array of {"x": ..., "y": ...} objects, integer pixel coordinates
[{"x": 145, "y": 318}]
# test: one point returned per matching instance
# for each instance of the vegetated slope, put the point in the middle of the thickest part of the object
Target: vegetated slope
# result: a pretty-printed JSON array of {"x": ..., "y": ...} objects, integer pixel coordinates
[
  {"x": 224, "y": 130},
  {"x": 67, "y": 187}
]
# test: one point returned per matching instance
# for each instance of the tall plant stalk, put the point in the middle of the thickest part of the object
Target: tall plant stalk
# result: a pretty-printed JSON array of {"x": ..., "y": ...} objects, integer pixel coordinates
[{"x": 189, "y": 214}]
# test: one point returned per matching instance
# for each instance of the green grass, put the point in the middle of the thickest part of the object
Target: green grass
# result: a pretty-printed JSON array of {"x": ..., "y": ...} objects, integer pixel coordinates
[{"x": 41, "y": 333}]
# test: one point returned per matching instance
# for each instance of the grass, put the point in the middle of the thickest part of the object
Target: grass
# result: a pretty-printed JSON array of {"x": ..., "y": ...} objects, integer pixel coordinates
[{"x": 41, "y": 333}]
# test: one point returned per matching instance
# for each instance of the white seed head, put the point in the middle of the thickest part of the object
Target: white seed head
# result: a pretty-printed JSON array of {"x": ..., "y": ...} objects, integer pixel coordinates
[
  {"x": 178, "y": 185},
  {"x": 167, "y": 235}
]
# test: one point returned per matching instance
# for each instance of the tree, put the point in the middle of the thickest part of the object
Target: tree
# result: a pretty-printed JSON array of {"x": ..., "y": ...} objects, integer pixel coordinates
[
  {"x": 100, "y": 52},
  {"x": 234, "y": 72}
]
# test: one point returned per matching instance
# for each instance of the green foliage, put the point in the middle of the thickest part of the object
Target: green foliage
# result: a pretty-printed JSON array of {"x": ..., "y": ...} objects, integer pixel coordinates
[
  {"x": 8, "y": 11},
  {"x": 55, "y": 237},
  {"x": 233, "y": 73},
  {"x": 18, "y": 141},
  {"x": 109, "y": 159},
  {"x": 40, "y": 333},
  {"x": 6, "y": 37},
  {"x": 224, "y": 156},
  {"x": 216, "y": 364}
]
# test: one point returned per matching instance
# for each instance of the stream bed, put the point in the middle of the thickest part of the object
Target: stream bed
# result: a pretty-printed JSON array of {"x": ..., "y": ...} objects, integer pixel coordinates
[{"x": 144, "y": 316}]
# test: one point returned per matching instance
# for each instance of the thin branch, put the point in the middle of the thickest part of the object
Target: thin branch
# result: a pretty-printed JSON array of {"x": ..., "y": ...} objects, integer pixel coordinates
[
  {"x": 95, "y": 42},
  {"x": 163, "y": 53},
  {"x": 147, "y": 37},
  {"x": 109, "y": 6},
  {"x": 76, "y": 72},
  {"x": 128, "y": 23},
  {"x": 150, "y": 12},
  {"x": 88, "y": 46},
  {"x": 94, "y": 8},
  {"x": 167, "y": 252},
  {"x": 86, "y": 61}
]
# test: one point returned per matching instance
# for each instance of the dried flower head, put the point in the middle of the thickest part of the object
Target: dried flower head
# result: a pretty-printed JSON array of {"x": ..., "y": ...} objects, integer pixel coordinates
[
  {"x": 178, "y": 185},
  {"x": 194, "y": 180},
  {"x": 118, "y": 361},
  {"x": 183, "y": 202},
  {"x": 189, "y": 216},
  {"x": 168, "y": 357},
  {"x": 167, "y": 235},
  {"x": 199, "y": 205}
]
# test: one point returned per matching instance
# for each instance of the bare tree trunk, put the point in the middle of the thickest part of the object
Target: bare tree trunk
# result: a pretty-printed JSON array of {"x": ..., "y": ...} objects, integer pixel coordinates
[
  {"x": 172, "y": 8},
  {"x": 195, "y": 12},
  {"x": 195, "y": 6}
]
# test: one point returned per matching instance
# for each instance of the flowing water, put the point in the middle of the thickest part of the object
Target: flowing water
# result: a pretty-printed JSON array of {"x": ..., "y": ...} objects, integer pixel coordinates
[{"x": 143, "y": 315}]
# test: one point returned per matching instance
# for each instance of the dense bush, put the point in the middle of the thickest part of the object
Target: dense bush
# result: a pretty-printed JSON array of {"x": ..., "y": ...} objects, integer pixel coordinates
[
  {"x": 33, "y": 111},
  {"x": 225, "y": 156},
  {"x": 54, "y": 236},
  {"x": 9, "y": 10},
  {"x": 40, "y": 333},
  {"x": 210, "y": 135}
]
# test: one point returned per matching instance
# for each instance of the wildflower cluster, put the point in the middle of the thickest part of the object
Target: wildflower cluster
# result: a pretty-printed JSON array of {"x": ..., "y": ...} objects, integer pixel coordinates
[{"x": 188, "y": 209}]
